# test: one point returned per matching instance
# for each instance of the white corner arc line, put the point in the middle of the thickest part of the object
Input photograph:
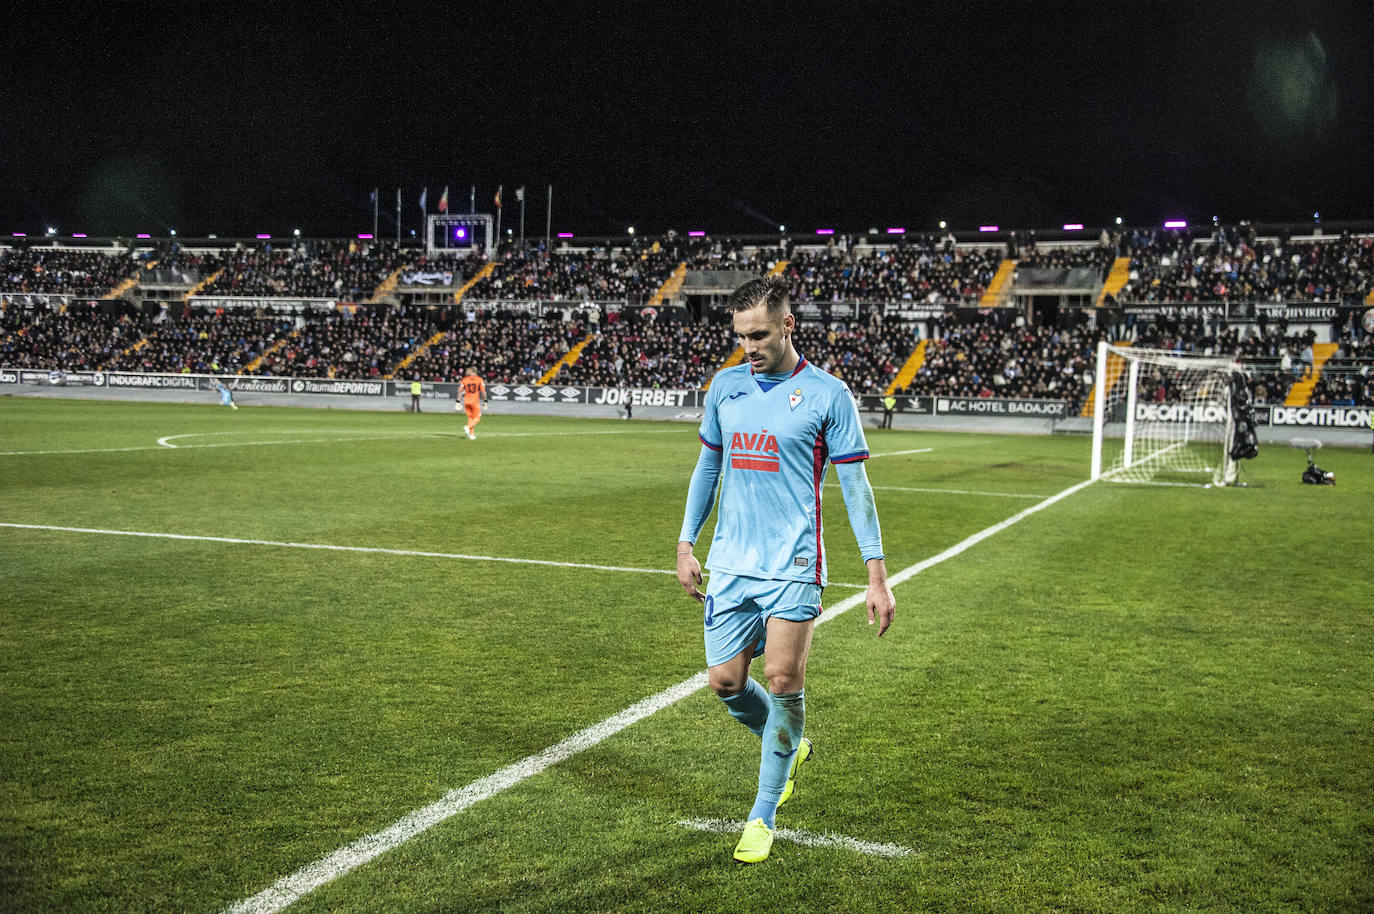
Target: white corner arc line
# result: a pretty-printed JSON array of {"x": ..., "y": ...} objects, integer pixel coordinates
[
  {"x": 289, "y": 889},
  {"x": 805, "y": 838}
]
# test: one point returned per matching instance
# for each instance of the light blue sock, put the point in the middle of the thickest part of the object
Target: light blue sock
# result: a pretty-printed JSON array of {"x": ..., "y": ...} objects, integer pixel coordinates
[
  {"x": 750, "y": 706},
  {"x": 781, "y": 737}
]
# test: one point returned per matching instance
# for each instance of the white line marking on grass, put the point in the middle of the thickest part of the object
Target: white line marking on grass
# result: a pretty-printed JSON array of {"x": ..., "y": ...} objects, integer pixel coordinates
[
  {"x": 289, "y": 889},
  {"x": 945, "y": 491},
  {"x": 430, "y": 433},
  {"x": 326, "y": 869},
  {"x": 804, "y": 838},
  {"x": 238, "y": 541},
  {"x": 233, "y": 540},
  {"x": 919, "y": 450}
]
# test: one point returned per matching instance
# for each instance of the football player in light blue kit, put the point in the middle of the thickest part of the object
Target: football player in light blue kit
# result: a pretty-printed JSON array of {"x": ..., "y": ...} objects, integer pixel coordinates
[
  {"x": 226, "y": 396},
  {"x": 769, "y": 430}
]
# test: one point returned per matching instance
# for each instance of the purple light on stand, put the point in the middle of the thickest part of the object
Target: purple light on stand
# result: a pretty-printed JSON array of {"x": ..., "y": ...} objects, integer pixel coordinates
[
  {"x": 78, "y": 234},
  {"x": 825, "y": 231},
  {"x": 896, "y": 231},
  {"x": 20, "y": 234},
  {"x": 1176, "y": 223},
  {"x": 364, "y": 236},
  {"x": 1073, "y": 226},
  {"x": 989, "y": 228},
  {"x": 565, "y": 234},
  {"x": 144, "y": 235},
  {"x": 263, "y": 236},
  {"x": 696, "y": 234}
]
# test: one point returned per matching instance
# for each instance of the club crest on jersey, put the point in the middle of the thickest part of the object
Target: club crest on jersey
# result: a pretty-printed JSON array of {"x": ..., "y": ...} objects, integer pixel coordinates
[
  {"x": 755, "y": 452},
  {"x": 795, "y": 397}
]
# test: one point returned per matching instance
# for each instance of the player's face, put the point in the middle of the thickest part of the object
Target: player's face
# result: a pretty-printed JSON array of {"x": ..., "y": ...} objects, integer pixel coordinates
[{"x": 767, "y": 341}]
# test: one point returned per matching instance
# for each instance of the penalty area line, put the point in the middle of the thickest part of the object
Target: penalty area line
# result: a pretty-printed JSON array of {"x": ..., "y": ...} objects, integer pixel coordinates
[
  {"x": 804, "y": 838},
  {"x": 289, "y": 889}
]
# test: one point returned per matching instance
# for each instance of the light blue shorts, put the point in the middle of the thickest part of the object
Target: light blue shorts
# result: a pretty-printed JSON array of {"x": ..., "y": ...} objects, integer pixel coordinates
[{"x": 737, "y": 611}]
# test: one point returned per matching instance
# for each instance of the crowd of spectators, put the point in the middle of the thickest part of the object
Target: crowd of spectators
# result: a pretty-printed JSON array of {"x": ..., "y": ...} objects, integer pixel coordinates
[
  {"x": 651, "y": 353},
  {"x": 80, "y": 337},
  {"x": 506, "y": 347},
  {"x": 340, "y": 270},
  {"x": 1097, "y": 257},
  {"x": 60, "y": 271},
  {"x": 925, "y": 271},
  {"x": 1167, "y": 266},
  {"x": 867, "y": 356},
  {"x": 352, "y": 342},
  {"x": 997, "y": 356},
  {"x": 631, "y": 274},
  {"x": 204, "y": 341}
]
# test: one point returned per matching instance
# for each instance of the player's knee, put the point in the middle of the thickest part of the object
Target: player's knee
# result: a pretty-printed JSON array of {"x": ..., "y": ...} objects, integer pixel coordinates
[
  {"x": 725, "y": 682},
  {"x": 783, "y": 680}
]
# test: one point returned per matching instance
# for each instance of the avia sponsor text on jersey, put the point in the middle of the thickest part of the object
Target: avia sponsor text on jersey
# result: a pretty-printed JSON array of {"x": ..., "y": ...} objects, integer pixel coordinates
[{"x": 754, "y": 452}]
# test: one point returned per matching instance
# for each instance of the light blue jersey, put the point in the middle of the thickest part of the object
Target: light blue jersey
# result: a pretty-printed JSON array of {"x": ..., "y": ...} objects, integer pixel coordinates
[{"x": 775, "y": 445}]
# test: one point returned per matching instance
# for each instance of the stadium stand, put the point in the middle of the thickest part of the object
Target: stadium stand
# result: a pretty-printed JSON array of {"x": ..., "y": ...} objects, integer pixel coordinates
[
  {"x": 58, "y": 271},
  {"x": 529, "y": 308},
  {"x": 341, "y": 270}
]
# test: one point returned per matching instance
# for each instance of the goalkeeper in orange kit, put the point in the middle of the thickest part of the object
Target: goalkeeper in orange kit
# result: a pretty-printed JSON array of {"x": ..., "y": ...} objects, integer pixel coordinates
[{"x": 474, "y": 398}]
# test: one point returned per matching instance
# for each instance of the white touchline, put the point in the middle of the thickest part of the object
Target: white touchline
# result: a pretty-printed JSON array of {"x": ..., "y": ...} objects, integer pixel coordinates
[
  {"x": 289, "y": 889},
  {"x": 805, "y": 838}
]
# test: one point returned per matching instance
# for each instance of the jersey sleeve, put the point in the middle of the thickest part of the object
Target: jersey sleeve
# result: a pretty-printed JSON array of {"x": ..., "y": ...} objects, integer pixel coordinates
[
  {"x": 709, "y": 432},
  {"x": 844, "y": 435}
]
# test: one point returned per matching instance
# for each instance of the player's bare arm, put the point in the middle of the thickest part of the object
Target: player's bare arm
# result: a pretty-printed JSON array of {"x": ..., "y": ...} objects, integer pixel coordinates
[
  {"x": 882, "y": 605},
  {"x": 689, "y": 571}
]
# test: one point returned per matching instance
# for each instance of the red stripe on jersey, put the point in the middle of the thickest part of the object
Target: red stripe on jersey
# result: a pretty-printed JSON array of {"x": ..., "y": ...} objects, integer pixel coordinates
[
  {"x": 771, "y": 465},
  {"x": 818, "y": 454}
]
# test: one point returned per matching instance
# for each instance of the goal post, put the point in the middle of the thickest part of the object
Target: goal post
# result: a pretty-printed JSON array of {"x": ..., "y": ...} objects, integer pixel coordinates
[{"x": 1162, "y": 417}]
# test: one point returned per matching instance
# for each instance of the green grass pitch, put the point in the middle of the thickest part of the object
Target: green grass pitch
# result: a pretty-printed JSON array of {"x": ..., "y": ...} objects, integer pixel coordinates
[{"x": 1136, "y": 699}]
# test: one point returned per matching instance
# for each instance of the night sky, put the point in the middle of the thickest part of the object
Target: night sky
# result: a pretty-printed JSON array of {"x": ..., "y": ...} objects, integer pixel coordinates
[{"x": 232, "y": 119}]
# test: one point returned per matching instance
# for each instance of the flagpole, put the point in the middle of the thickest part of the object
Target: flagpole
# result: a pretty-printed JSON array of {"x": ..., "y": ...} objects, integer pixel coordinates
[
  {"x": 522, "y": 218},
  {"x": 499, "y": 188},
  {"x": 398, "y": 215},
  {"x": 472, "y": 200},
  {"x": 376, "y": 195},
  {"x": 548, "y": 220}
]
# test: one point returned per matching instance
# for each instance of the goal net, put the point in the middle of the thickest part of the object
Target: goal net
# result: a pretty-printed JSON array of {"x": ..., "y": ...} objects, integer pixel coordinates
[{"x": 1162, "y": 417}]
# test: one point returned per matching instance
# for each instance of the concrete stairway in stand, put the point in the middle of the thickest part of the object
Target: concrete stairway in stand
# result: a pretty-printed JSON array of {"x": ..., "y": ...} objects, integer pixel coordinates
[
  {"x": 1300, "y": 394},
  {"x": 909, "y": 368},
  {"x": 997, "y": 292},
  {"x": 1117, "y": 277}
]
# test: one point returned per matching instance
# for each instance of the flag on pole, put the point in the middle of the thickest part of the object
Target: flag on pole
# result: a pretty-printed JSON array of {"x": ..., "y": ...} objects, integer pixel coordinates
[
  {"x": 498, "y": 198},
  {"x": 443, "y": 201},
  {"x": 374, "y": 196},
  {"x": 520, "y": 194},
  {"x": 423, "y": 194}
]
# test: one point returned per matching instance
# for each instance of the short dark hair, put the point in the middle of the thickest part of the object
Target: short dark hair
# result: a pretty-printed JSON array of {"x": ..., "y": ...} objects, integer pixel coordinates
[{"x": 769, "y": 291}]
